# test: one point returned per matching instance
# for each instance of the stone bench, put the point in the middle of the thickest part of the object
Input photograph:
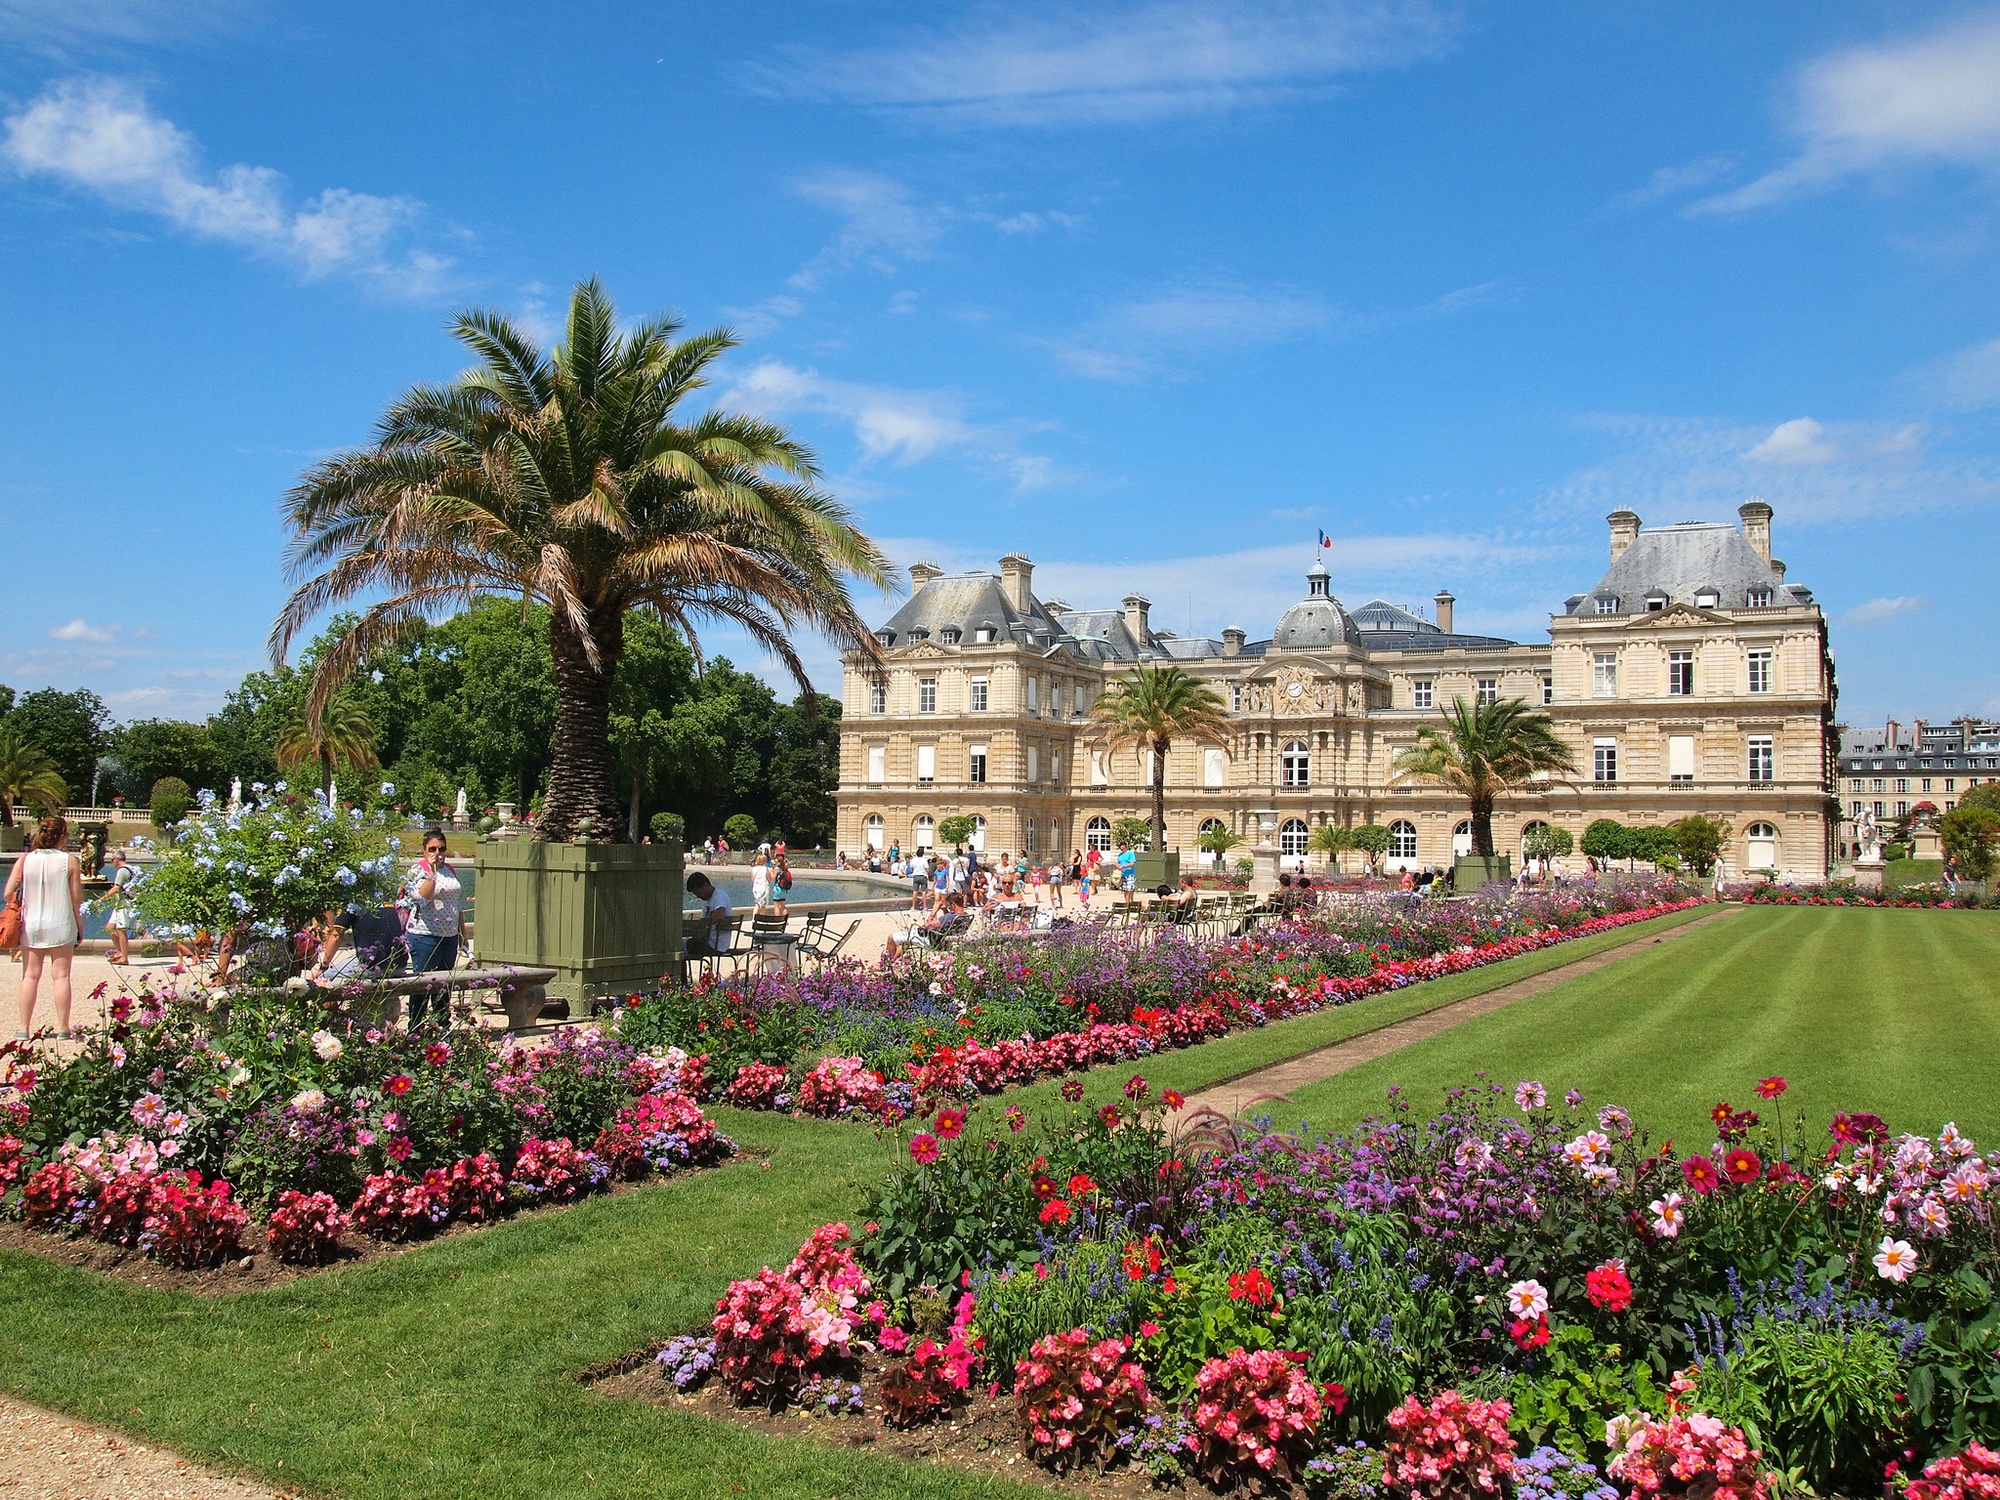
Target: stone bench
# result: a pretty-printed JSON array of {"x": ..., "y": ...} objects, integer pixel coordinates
[{"x": 520, "y": 993}]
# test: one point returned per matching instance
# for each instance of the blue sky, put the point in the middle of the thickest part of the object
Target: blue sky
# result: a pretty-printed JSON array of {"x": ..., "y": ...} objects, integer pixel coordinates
[{"x": 1150, "y": 291}]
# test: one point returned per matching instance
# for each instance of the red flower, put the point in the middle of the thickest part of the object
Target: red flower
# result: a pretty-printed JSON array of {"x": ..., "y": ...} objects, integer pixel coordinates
[
  {"x": 1336, "y": 1396},
  {"x": 1252, "y": 1286},
  {"x": 1016, "y": 1119},
  {"x": 1081, "y": 1185},
  {"x": 399, "y": 1148},
  {"x": 1609, "y": 1287},
  {"x": 1529, "y": 1335},
  {"x": 1072, "y": 1089},
  {"x": 398, "y": 1085},
  {"x": 1149, "y": 1330},
  {"x": 1858, "y": 1128},
  {"x": 1173, "y": 1099},
  {"x": 437, "y": 1054},
  {"x": 1700, "y": 1174},
  {"x": 951, "y": 1123},
  {"x": 1770, "y": 1088},
  {"x": 1136, "y": 1088},
  {"x": 1109, "y": 1115},
  {"x": 1721, "y": 1113},
  {"x": 1055, "y": 1211},
  {"x": 924, "y": 1149},
  {"x": 1045, "y": 1187},
  {"x": 1742, "y": 1165}
]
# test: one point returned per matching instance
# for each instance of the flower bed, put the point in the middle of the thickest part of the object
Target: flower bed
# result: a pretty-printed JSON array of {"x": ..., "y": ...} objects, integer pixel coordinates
[
  {"x": 1965, "y": 897},
  {"x": 1518, "y": 1294}
]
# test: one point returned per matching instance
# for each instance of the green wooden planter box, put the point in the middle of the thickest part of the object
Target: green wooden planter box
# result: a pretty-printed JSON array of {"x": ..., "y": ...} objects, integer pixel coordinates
[
  {"x": 1156, "y": 870},
  {"x": 1473, "y": 870},
  {"x": 605, "y": 917}
]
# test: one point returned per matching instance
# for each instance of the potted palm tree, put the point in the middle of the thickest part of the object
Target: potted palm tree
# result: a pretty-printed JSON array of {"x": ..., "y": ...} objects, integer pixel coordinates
[
  {"x": 1148, "y": 711},
  {"x": 575, "y": 478},
  {"x": 1329, "y": 839},
  {"x": 26, "y": 776},
  {"x": 1482, "y": 753}
]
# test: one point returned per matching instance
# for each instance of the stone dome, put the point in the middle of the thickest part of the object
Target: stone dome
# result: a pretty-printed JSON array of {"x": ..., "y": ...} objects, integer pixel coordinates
[{"x": 1316, "y": 620}]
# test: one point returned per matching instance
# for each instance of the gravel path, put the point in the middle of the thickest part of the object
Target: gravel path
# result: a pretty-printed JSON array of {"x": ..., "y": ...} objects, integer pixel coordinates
[
  {"x": 1282, "y": 1079},
  {"x": 53, "y": 1457}
]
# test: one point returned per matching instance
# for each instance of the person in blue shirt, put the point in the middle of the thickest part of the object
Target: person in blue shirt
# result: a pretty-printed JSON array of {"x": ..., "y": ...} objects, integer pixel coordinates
[{"x": 1128, "y": 869}]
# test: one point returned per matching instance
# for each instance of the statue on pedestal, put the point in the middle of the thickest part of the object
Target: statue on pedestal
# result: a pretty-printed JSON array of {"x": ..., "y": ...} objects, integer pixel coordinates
[
  {"x": 1869, "y": 836},
  {"x": 461, "y": 815}
]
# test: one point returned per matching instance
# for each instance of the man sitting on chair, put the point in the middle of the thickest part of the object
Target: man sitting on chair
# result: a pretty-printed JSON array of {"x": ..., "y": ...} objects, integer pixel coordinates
[{"x": 710, "y": 939}]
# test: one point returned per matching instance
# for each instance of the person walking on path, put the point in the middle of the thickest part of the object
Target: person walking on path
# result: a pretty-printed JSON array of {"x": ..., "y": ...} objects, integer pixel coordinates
[
  {"x": 760, "y": 881},
  {"x": 49, "y": 885},
  {"x": 119, "y": 898},
  {"x": 437, "y": 919},
  {"x": 781, "y": 883}
]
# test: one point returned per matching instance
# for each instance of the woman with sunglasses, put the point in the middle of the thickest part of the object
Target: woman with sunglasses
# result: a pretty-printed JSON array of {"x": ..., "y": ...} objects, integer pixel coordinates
[{"x": 437, "y": 918}]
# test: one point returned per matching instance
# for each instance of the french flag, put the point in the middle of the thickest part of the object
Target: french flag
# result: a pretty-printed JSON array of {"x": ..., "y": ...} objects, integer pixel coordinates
[{"x": 1325, "y": 540}]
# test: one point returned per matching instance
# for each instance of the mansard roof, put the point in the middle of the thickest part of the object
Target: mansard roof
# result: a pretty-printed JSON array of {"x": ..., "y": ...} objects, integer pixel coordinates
[
  {"x": 965, "y": 603},
  {"x": 1681, "y": 560}
]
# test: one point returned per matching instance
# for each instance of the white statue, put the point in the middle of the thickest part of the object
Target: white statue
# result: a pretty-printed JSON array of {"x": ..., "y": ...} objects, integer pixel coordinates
[
  {"x": 236, "y": 794},
  {"x": 459, "y": 814},
  {"x": 1870, "y": 836}
]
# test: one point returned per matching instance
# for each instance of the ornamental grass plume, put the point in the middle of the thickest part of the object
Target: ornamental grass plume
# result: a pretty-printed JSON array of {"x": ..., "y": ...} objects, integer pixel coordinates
[
  {"x": 1254, "y": 1416},
  {"x": 1451, "y": 1449}
]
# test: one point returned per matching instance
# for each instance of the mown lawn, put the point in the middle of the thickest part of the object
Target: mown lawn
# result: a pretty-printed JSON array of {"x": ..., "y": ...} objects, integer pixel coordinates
[
  {"x": 451, "y": 1371},
  {"x": 1892, "y": 1011}
]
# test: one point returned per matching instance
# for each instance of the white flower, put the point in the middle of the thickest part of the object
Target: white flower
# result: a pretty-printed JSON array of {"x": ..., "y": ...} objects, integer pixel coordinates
[
  {"x": 1867, "y": 1186},
  {"x": 1895, "y": 1260},
  {"x": 309, "y": 1101},
  {"x": 1667, "y": 1215},
  {"x": 326, "y": 1046},
  {"x": 388, "y": 788},
  {"x": 345, "y": 876},
  {"x": 1527, "y": 1299}
]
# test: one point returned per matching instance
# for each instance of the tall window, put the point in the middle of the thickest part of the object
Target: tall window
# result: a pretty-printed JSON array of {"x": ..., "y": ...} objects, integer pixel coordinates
[
  {"x": 977, "y": 702},
  {"x": 1604, "y": 761},
  {"x": 1854, "y": 809},
  {"x": 1604, "y": 674},
  {"x": 1902, "y": 783},
  {"x": 1763, "y": 758},
  {"x": 1236, "y": 697},
  {"x": 1761, "y": 846},
  {"x": 1055, "y": 700},
  {"x": 1034, "y": 763},
  {"x": 1097, "y": 835},
  {"x": 1402, "y": 839},
  {"x": 927, "y": 762},
  {"x": 878, "y": 698},
  {"x": 1488, "y": 691},
  {"x": 1292, "y": 835},
  {"x": 1680, "y": 674},
  {"x": 923, "y": 833},
  {"x": 1548, "y": 689},
  {"x": 1420, "y": 693},
  {"x": 1881, "y": 810},
  {"x": 1055, "y": 775},
  {"x": 871, "y": 830},
  {"x": 878, "y": 763},
  {"x": 1902, "y": 809},
  {"x": 1680, "y": 758},
  {"x": 926, "y": 695},
  {"x": 1100, "y": 769},
  {"x": 1034, "y": 693},
  {"x": 1295, "y": 764},
  {"x": 1028, "y": 837},
  {"x": 1760, "y": 671},
  {"x": 1211, "y": 766},
  {"x": 975, "y": 764},
  {"x": 1880, "y": 785}
]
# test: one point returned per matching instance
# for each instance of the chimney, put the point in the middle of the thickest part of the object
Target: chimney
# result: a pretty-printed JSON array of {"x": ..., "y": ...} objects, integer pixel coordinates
[
  {"x": 1894, "y": 730},
  {"x": 922, "y": 573},
  {"x": 1444, "y": 602},
  {"x": 1756, "y": 525},
  {"x": 1137, "y": 607},
  {"x": 1232, "y": 642},
  {"x": 1624, "y": 531},
  {"x": 1778, "y": 568},
  {"x": 1016, "y": 574}
]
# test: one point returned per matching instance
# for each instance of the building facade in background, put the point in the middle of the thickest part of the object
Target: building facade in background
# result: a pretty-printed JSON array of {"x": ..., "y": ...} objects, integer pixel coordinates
[
  {"x": 1693, "y": 678},
  {"x": 1893, "y": 770}
]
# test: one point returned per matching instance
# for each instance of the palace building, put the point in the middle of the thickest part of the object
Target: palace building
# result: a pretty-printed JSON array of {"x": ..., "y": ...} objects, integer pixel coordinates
[{"x": 1692, "y": 678}]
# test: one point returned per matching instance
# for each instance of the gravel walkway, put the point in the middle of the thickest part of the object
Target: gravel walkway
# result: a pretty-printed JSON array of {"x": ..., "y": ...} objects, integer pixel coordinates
[
  {"x": 1282, "y": 1079},
  {"x": 53, "y": 1457}
]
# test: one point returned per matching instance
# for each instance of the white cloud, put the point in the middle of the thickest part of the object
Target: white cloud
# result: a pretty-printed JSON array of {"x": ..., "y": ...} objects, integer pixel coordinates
[
  {"x": 1799, "y": 441},
  {"x": 80, "y": 629},
  {"x": 893, "y": 425},
  {"x": 1932, "y": 98},
  {"x": 883, "y": 224},
  {"x": 1877, "y": 610},
  {"x": 1159, "y": 332},
  {"x": 1680, "y": 469},
  {"x": 52, "y": 24},
  {"x": 101, "y": 136},
  {"x": 1129, "y": 63},
  {"x": 1669, "y": 182},
  {"x": 1968, "y": 379}
]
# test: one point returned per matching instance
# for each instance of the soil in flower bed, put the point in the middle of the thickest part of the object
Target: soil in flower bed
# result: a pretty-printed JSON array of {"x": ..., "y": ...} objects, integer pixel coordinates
[
  {"x": 254, "y": 1268},
  {"x": 984, "y": 1436}
]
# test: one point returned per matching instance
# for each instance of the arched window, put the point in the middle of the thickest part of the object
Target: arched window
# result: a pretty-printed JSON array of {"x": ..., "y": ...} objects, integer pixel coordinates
[
  {"x": 1402, "y": 839},
  {"x": 1461, "y": 839},
  {"x": 1761, "y": 851},
  {"x": 978, "y": 839},
  {"x": 1292, "y": 835},
  {"x": 1295, "y": 764},
  {"x": 924, "y": 832},
  {"x": 871, "y": 830},
  {"x": 1209, "y": 825},
  {"x": 1529, "y": 832},
  {"x": 1097, "y": 835}
]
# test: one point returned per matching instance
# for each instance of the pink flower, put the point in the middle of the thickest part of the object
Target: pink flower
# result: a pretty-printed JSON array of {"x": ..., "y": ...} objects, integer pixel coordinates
[
  {"x": 1700, "y": 1174},
  {"x": 895, "y": 1340},
  {"x": 924, "y": 1149},
  {"x": 398, "y": 1084},
  {"x": 951, "y": 1123}
]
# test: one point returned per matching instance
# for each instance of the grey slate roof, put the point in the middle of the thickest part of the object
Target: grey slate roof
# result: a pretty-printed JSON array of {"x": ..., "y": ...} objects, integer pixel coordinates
[
  {"x": 1380, "y": 614},
  {"x": 1680, "y": 560},
  {"x": 1103, "y": 635},
  {"x": 1433, "y": 640},
  {"x": 965, "y": 603},
  {"x": 1318, "y": 621}
]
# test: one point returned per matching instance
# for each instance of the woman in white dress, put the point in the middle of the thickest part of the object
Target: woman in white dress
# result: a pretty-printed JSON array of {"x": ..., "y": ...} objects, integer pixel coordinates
[
  {"x": 50, "y": 884},
  {"x": 760, "y": 880}
]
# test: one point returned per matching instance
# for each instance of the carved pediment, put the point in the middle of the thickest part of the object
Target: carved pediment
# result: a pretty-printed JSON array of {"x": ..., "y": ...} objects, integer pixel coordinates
[
  {"x": 1296, "y": 689},
  {"x": 921, "y": 651},
  {"x": 1679, "y": 614}
]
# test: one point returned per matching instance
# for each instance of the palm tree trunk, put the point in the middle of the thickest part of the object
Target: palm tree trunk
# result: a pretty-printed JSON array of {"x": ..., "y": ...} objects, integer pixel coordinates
[
  {"x": 1160, "y": 796},
  {"x": 582, "y": 773},
  {"x": 1482, "y": 827}
]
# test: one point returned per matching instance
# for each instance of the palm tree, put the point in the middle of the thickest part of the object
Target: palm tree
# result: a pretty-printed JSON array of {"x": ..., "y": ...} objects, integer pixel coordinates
[
  {"x": 572, "y": 477},
  {"x": 1329, "y": 839},
  {"x": 343, "y": 734},
  {"x": 1484, "y": 752},
  {"x": 27, "y": 775},
  {"x": 1149, "y": 711},
  {"x": 1218, "y": 841}
]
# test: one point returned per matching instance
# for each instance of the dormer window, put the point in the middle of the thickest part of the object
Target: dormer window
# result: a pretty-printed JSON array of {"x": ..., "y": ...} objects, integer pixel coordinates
[
  {"x": 1655, "y": 602},
  {"x": 982, "y": 635},
  {"x": 920, "y": 634},
  {"x": 1707, "y": 598},
  {"x": 1607, "y": 604},
  {"x": 949, "y": 635},
  {"x": 886, "y": 637},
  {"x": 1759, "y": 598}
]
